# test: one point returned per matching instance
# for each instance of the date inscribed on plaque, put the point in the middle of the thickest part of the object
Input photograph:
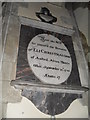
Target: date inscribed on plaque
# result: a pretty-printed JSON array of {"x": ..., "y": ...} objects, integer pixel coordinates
[{"x": 46, "y": 57}]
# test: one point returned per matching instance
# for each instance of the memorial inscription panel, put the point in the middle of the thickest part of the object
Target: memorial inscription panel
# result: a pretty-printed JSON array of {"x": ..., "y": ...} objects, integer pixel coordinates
[
  {"x": 46, "y": 57},
  {"x": 49, "y": 59}
]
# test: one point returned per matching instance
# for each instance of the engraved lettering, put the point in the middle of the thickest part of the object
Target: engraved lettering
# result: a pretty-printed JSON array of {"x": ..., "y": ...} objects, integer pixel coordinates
[
  {"x": 52, "y": 68},
  {"x": 64, "y": 62},
  {"x": 49, "y": 59},
  {"x": 60, "y": 48},
  {"x": 44, "y": 59},
  {"x": 36, "y": 65},
  {"x": 33, "y": 43},
  {"x": 32, "y": 57},
  {"x": 52, "y": 60},
  {"x": 50, "y": 76}
]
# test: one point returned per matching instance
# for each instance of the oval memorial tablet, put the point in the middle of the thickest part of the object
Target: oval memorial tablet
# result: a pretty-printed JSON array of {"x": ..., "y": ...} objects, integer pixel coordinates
[{"x": 49, "y": 59}]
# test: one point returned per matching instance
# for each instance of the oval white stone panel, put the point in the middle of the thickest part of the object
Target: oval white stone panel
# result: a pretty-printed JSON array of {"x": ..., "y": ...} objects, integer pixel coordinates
[{"x": 49, "y": 59}]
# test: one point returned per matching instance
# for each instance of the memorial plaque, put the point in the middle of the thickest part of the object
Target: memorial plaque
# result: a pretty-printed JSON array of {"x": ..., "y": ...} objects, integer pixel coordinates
[{"x": 49, "y": 59}]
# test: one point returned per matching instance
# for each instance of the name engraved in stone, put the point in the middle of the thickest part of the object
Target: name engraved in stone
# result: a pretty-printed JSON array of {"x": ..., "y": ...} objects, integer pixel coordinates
[{"x": 48, "y": 52}]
